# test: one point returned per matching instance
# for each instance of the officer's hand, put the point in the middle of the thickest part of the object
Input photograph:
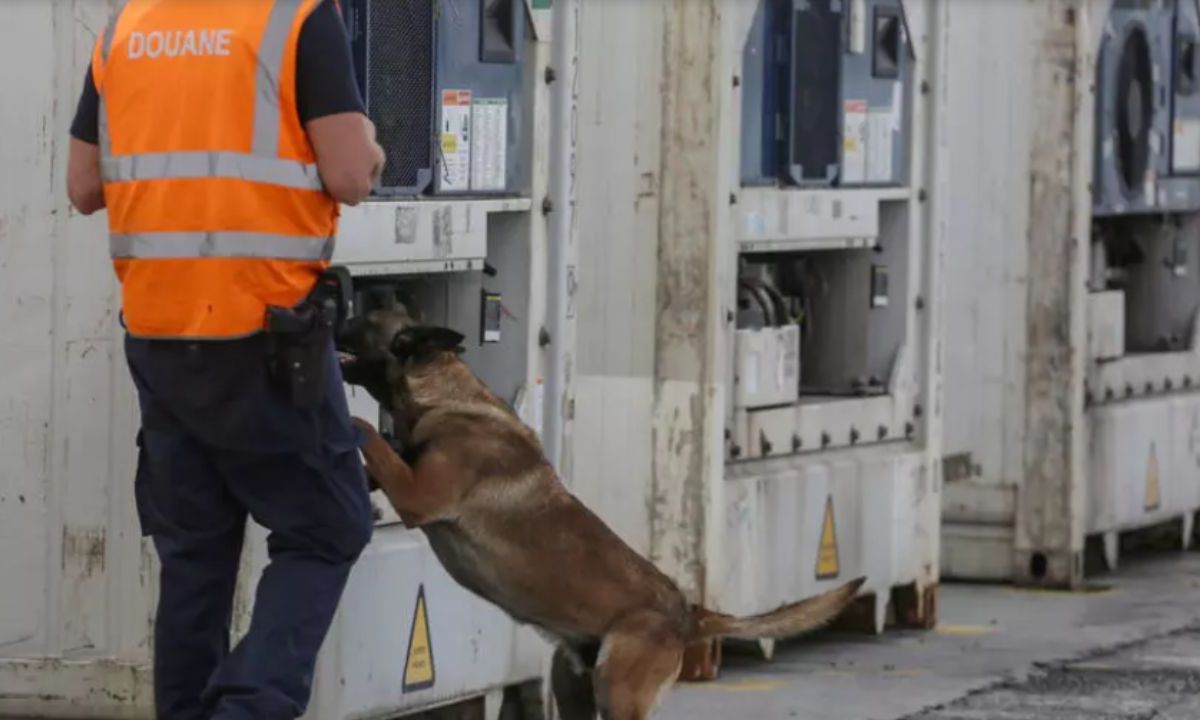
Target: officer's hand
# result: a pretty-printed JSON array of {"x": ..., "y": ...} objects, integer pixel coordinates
[
  {"x": 379, "y": 156},
  {"x": 380, "y": 163},
  {"x": 347, "y": 155}
]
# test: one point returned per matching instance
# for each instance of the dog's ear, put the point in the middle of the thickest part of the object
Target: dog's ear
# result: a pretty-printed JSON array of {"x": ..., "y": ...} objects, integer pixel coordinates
[{"x": 418, "y": 343}]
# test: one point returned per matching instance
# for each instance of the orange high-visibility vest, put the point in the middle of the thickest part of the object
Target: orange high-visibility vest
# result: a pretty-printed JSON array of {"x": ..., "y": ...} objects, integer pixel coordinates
[{"x": 215, "y": 207}]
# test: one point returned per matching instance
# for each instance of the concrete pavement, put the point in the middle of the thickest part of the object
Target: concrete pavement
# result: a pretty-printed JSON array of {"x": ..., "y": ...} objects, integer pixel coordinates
[{"x": 999, "y": 654}]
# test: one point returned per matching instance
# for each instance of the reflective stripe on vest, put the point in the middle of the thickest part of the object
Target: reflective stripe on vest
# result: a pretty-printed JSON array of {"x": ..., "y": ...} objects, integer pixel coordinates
[
  {"x": 176, "y": 245},
  {"x": 187, "y": 165},
  {"x": 105, "y": 50},
  {"x": 270, "y": 67}
]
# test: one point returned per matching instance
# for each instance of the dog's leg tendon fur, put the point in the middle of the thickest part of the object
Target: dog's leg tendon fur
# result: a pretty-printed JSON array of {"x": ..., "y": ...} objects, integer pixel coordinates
[{"x": 639, "y": 661}]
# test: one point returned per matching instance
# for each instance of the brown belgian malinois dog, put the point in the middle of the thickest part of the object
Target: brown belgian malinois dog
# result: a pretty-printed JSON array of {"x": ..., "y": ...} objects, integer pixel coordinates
[{"x": 475, "y": 480}]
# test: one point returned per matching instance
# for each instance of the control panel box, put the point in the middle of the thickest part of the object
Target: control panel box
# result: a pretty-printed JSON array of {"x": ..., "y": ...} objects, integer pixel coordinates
[
  {"x": 826, "y": 94},
  {"x": 445, "y": 83}
]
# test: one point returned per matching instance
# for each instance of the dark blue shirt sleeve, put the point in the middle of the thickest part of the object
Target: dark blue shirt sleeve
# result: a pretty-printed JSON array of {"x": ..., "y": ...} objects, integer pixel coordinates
[
  {"x": 86, "y": 125},
  {"x": 325, "y": 82}
]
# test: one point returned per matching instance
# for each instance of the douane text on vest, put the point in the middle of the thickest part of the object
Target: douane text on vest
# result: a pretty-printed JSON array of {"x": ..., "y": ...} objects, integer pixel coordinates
[{"x": 179, "y": 43}]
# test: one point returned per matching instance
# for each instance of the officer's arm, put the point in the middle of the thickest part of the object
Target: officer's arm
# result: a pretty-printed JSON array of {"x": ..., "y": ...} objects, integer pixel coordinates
[
  {"x": 83, "y": 158},
  {"x": 83, "y": 177},
  {"x": 348, "y": 157},
  {"x": 342, "y": 137}
]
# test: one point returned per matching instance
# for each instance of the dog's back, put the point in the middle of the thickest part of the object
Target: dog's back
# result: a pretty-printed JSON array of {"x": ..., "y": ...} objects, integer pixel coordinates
[{"x": 519, "y": 538}]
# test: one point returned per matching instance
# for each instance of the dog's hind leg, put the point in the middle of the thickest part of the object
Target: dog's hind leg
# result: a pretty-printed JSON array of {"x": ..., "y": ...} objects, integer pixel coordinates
[
  {"x": 572, "y": 685},
  {"x": 639, "y": 661}
]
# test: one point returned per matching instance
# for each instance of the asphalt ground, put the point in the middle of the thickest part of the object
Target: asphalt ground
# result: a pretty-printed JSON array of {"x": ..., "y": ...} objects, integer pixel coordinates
[{"x": 1127, "y": 649}]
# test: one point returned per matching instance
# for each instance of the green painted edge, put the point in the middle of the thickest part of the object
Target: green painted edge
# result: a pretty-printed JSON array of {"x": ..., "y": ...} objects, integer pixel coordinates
[{"x": 541, "y": 4}]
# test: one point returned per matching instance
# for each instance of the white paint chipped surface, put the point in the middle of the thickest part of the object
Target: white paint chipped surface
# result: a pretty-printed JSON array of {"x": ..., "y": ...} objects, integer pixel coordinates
[{"x": 79, "y": 580}]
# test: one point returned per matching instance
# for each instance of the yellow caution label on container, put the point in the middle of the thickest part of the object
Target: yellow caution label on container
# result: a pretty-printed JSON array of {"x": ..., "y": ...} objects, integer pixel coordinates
[
  {"x": 419, "y": 672},
  {"x": 828, "y": 566},
  {"x": 1153, "y": 492}
]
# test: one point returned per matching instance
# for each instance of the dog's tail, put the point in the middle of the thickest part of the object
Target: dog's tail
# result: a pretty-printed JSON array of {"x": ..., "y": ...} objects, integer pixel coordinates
[{"x": 786, "y": 621}]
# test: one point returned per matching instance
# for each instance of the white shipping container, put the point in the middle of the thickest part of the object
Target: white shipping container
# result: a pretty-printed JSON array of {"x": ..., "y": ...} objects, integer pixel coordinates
[
  {"x": 745, "y": 508},
  {"x": 1061, "y": 423},
  {"x": 79, "y": 584}
]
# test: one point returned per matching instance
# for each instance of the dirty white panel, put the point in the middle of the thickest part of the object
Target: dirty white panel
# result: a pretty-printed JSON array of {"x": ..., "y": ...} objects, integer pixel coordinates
[
  {"x": 361, "y": 671},
  {"x": 609, "y": 416},
  {"x": 56, "y": 396},
  {"x": 988, "y": 126},
  {"x": 74, "y": 630},
  {"x": 620, "y": 107},
  {"x": 26, "y": 279},
  {"x": 1144, "y": 461},
  {"x": 81, "y": 465},
  {"x": 780, "y": 545}
]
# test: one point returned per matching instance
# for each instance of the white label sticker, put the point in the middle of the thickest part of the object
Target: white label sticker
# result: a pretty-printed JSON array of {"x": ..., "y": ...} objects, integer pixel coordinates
[
  {"x": 456, "y": 140},
  {"x": 880, "y": 145},
  {"x": 1187, "y": 145},
  {"x": 854, "y": 142},
  {"x": 897, "y": 107},
  {"x": 756, "y": 224},
  {"x": 489, "y": 162},
  {"x": 858, "y": 27},
  {"x": 781, "y": 369},
  {"x": 750, "y": 374},
  {"x": 539, "y": 405},
  {"x": 790, "y": 358},
  {"x": 406, "y": 225}
]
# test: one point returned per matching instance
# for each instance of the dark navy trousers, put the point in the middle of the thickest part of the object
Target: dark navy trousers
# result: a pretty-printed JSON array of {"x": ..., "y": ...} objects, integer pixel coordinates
[{"x": 221, "y": 442}]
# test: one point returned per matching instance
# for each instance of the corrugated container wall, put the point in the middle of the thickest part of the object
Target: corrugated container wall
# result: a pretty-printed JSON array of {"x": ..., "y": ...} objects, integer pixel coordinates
[
  {"x": 1019, "y": 208},
  {"x": 66, "y": 402},
  {"x": 620, "y": 103},
  {"x": 987, "y": 260}
]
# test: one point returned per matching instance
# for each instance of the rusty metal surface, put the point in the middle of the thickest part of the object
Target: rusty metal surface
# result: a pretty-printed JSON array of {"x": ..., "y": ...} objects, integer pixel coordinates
[
  {"x": 1049, "y": 516},
  {"x": 693, "y": 212}
]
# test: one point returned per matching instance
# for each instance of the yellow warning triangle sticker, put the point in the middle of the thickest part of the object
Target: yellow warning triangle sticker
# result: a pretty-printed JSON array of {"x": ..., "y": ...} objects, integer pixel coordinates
[
  {"x": 418, "y": 669},
  {"x": 1153, "y": 493},
  {"x": 828, "y": 566}
]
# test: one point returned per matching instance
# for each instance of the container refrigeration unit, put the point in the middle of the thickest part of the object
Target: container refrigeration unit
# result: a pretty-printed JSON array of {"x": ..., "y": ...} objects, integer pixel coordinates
[{"x": 773, "y": 264}]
